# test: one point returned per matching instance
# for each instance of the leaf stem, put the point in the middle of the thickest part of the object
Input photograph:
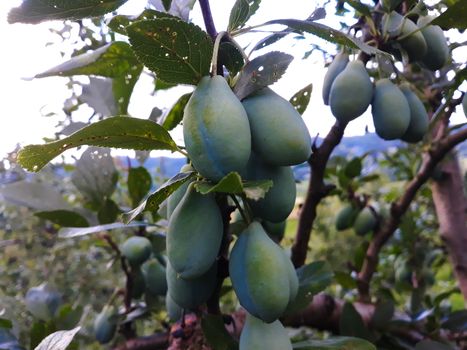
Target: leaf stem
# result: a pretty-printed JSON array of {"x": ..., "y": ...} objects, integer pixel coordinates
[
  {"x": 240, "y": 209},
  {"x": 215, "y": 52}
]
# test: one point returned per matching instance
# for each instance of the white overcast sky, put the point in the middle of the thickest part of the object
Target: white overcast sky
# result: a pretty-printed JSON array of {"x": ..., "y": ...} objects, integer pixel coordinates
[{"x": 24, "y": 54}]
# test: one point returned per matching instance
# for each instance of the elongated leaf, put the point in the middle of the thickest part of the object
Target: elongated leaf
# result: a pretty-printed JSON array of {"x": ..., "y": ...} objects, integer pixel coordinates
[
  {"x": 153, "y": 202},
  {"x": 139, "y": 184},
  {"x": 383, "y": 314},
  {"x": 453, "y": 17},
  {"x": 71, "y": 232},
  {"x": 122, "y": 87},
  {"x": 63, "y": 218},
  {"x": 456, "y": 321},
  {"x": 117, "y": 132},
  {"x": 301, "y": 98},
  {"x": 241, "y": 13},
  {"x": 329, "y": 34},
  {"x": 111, "y": 60},
  {"x": 313, "y": 278},
  {"x": 178, "y": 52},
  {"x": 335, "y": 343},
  {"x": 216, "y": 334},
  {"x": 36, "y": 11},
  {"x": 261, "y": 72},
  {"x": 175, "y": 116},
  {"x": 362, "y": 8},
  {"x": 58, "y": 340}
]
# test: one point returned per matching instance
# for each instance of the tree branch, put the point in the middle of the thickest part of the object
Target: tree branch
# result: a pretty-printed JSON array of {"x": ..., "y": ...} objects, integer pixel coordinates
[
  {"x": 399, "y": 207},
  {"x": 153, "y": 342},
  {"x": 208, "y": 20},
  {"x": 317, "y": 190}
]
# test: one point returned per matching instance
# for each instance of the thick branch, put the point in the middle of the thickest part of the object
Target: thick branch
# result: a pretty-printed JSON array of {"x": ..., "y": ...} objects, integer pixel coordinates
[
  {"x": 207, "y": 17},
  {"x": 399, "y": 207},
  {"x": 451, "y": 210},
  {"x": 317, "y": 190}
]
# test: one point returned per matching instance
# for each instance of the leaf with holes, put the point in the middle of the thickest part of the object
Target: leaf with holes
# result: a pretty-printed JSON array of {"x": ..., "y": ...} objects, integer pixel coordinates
[
  {"x": 231, "y": 58},
  {"x": 119, "y": 23},
  {"x": 116, "y": 132},
  {"x": 261, "y": 72},
  {"x": 329, "y": 34},
  {"x": 175, "y": 116},
  {"x": 178, "y": 52},
  {"x": 62, "y": 217},
  {"x": 153, "y": 202},
  {"x": 301, "y": 99},
  {"x": 241, "y": 13},
  {"x": 36, "y": 11}
]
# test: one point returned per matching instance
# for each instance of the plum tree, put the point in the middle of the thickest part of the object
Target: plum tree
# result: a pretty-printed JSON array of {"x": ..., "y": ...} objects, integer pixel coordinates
[{"x": 205, "y": 280}]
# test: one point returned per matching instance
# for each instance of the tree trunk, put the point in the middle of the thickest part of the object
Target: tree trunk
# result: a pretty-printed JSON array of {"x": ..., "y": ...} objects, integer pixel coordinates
[{"x": 451, "y": 209}]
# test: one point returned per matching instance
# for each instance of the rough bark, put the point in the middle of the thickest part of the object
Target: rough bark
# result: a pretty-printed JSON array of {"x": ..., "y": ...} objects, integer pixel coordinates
[{"x": 451, "y": 208}]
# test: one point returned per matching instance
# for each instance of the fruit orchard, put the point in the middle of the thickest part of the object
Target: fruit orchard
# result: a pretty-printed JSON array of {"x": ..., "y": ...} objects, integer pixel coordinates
[{"x": 236, "y": 251}]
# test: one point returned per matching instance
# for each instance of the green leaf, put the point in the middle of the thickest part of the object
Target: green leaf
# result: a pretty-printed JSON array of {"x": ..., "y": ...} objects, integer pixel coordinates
[
  {"x": 119, "y": 23},
  {"x": 111, "y": 60},
  {"x": 335, "y": 343},
  {"x": 345, "y": 280},
  {"x": 261, "y": 72},
  {"x": 65, "y": 218},
  {"x": 329, "y": 34},
  {"x": 231, "y": 183},
  {"x": 68, "y": 316},
  {"x": 313, "y": 278},
  {"x": 175, "y": 116},
  {"x": 36, "y": 11},
  {"x": 231, "y": 58},
  {"x": 453, "y": 17},
  {"x": 301, "y": 98},
  {"x": 58, "y": 340},
  {"x": 6, "y": 324},
  {"x": 153, "y": 202},
  {"x": 139, "y": 184},
  {"x": 362, "y": 8},
  {"x": 122, "y": 88},
  {"x": 167, "y": 4},
  {"x": 71, "y": 232},
  {"x": 383, "y": 314},
  {"x": 354, "y": 167},
  {"x": 351, "y": 323},
  {"x": 241, "y": 13},
  {"x": 117, "y": 132},
  {"x": 256, "y": 189},
  {"x": 177, "y": 51},
  {"x": 216, "y": 334},
  {"x": 432, "y": 345},
  {"x": 108, "y": 212}
]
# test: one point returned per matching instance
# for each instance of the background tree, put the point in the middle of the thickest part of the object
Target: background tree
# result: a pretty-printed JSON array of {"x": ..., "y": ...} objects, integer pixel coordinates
[{"x": 389, "y": 286}]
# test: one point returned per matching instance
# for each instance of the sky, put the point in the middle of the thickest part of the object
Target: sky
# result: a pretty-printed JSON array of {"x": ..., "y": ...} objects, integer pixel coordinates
[{"x": 25, "y": 53}]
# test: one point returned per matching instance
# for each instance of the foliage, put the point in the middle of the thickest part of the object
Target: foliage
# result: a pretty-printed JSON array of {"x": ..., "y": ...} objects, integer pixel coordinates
[{"x": 69, "y": 225}]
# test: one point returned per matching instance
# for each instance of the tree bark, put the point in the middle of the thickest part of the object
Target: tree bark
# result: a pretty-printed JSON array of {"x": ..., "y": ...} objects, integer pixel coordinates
[{"x": 451, "y": 208}]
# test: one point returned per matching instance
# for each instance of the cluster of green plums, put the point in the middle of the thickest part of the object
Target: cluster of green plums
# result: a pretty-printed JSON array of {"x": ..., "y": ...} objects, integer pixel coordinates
[
  {"x": 397, "y": 111},
  {"x": 362, "y": 220},
  {"x": 259, "y": 138},
  {"x": 148, "y": 276}
]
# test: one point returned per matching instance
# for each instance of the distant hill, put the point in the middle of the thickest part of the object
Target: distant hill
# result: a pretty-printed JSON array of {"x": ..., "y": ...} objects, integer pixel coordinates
[{"x": 350, "y": 146}]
